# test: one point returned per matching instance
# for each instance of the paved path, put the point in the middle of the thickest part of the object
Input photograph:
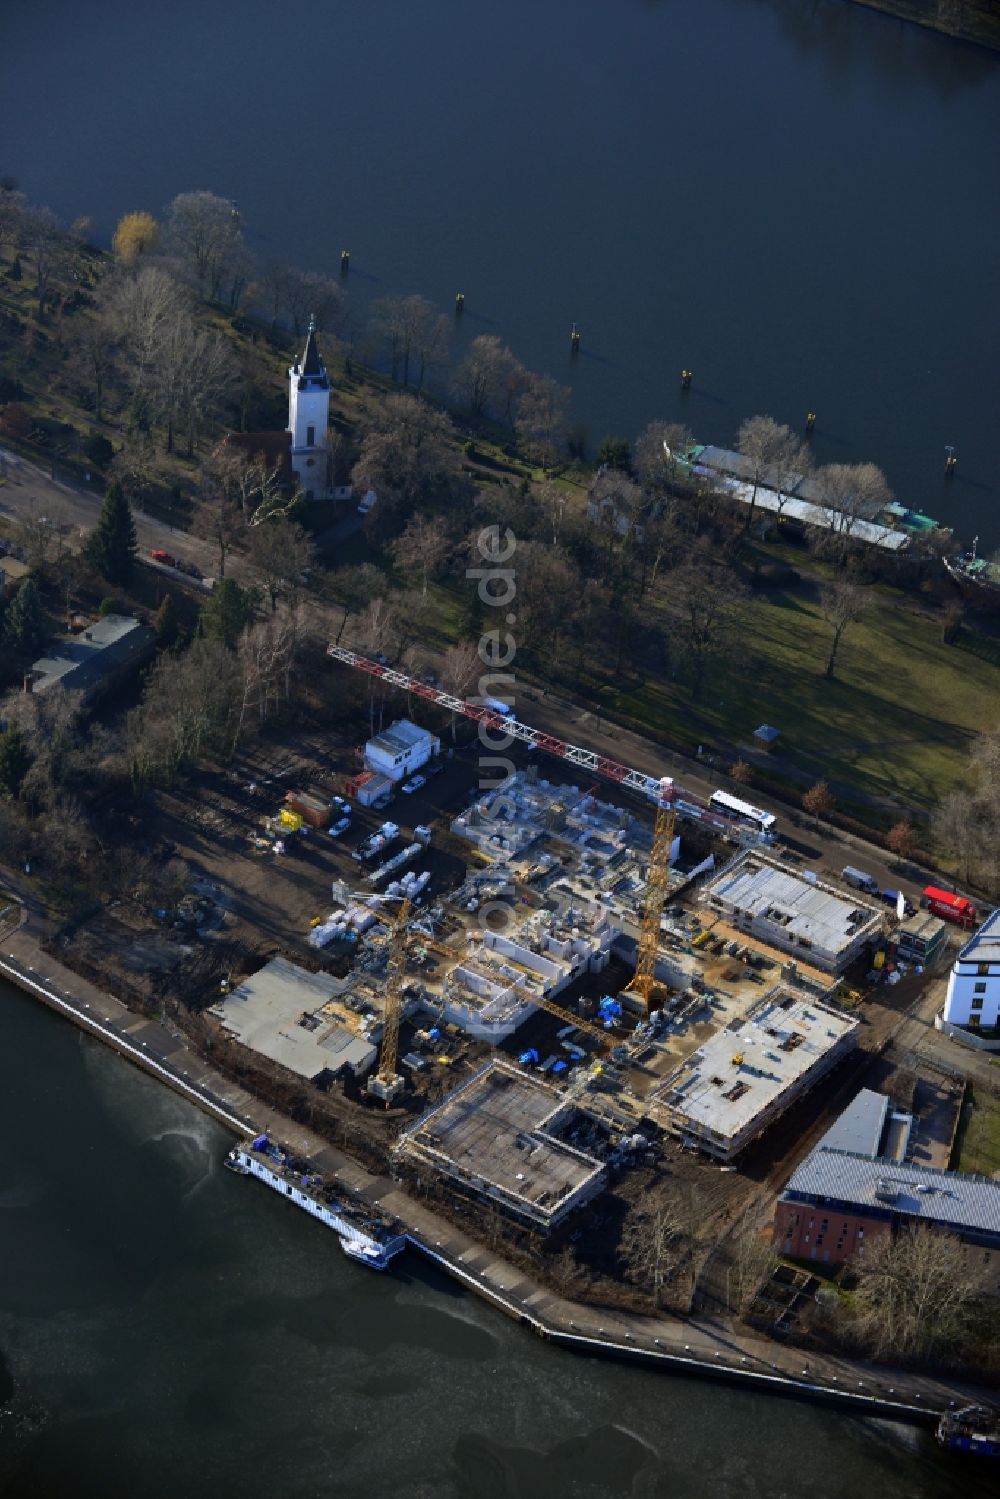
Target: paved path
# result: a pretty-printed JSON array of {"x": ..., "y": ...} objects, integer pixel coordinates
[{"x": 700, "y": 1345}]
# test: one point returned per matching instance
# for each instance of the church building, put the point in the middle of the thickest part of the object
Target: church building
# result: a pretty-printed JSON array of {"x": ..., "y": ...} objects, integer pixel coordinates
[
  {"x": 309, "y": 419},
  {"x": 300, "y": 454}
]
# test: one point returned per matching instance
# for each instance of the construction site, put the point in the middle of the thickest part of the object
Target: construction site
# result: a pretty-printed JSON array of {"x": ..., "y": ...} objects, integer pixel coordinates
[
  {"x": 557, "y": 987},
  {"x": 568, "y": 986}
]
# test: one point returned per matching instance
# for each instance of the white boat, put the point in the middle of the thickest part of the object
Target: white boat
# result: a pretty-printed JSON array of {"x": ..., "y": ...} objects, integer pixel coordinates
[{"x": 362, "y": 1234}]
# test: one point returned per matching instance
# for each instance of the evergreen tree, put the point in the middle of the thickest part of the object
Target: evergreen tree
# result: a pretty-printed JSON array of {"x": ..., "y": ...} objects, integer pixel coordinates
[
  {"x": 165, "y": 623},
  {"x": 25, "y": 623},
  {"x": 226, "y": 612},
  {"x": 15, "y": 758},
  {"x": 111, "y": 546}
]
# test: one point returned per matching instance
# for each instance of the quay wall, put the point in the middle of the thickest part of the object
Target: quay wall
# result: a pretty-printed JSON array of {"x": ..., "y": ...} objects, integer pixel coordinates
[
  {"x": 643, "y": 1348},
  {"x": 106, "y": 1032},
  {"x": 674, "y": 1362}
]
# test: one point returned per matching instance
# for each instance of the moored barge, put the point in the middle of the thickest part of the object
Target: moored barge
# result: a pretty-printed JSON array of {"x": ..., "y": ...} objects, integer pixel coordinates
[{"x": 363, "y": 1234}]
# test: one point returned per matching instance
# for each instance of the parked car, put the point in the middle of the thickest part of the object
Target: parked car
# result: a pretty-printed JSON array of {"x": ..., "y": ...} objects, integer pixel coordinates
[
  {"x": 340, "y": 827},
  {"x": 413, "y": 784},
  {"x": 159, "y": 555}
]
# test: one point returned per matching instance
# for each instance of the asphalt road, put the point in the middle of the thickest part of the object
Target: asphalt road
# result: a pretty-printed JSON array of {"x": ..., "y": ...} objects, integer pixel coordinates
[{"x": 27, "y": 490}]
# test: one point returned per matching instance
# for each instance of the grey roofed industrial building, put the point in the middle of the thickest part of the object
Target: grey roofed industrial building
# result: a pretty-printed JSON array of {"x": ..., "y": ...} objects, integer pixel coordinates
[
  {"x": 965, "y": 1203},
  {"x": 860, "y": 1128},
  {"x": 266, "y": 1013},
  {"x": 493, "y": 1137},
  {"x": 729, "y": 1091},
  {"x": 92, "y": 661},
  {"x": 820, "y": 924}
]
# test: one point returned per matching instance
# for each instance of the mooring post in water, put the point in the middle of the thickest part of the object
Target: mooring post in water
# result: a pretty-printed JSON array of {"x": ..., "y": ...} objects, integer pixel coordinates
[
  {"x": 345, "y": 262},
  {"x": 686, "y": 377},
  {"x": 574, "y": 340},
  {"x": 950, "y": 461},
  {"x": 810, "y": 421},
  {"x": 459, "y": 303}
]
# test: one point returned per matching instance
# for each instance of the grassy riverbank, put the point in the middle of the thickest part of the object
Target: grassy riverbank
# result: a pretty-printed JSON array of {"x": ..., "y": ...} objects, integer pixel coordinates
[{"x": 889, "y": 732}]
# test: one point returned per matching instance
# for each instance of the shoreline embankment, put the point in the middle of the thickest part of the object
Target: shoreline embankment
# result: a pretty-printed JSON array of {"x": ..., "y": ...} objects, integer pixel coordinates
[
  {"x": 700, "y": 1349},
  {"x": 975, "y": 21}
]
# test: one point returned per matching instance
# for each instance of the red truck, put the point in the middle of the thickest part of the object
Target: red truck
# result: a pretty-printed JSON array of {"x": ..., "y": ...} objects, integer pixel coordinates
[
  {"x": 950, "y": 907},
  {"x": 159, "y": 555}
]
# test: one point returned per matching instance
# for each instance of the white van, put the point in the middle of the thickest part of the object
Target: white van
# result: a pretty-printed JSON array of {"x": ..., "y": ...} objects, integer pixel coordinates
[
  {"x": 499, "y": 706},
  {"x": 859, "y": 880}
]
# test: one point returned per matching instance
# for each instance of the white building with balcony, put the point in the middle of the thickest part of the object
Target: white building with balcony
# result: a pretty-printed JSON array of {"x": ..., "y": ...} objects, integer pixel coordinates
[{"x": 973, "y": 999}]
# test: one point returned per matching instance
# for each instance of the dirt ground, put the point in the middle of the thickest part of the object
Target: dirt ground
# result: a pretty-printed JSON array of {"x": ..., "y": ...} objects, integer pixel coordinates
[{"x": 242, "y": 905}]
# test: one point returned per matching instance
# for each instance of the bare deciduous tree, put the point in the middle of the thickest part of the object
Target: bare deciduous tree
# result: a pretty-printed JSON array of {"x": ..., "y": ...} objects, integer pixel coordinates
[
  {"x": 354, "y": 588},
  {"x": 851, "y": 493},
  {"x": 710, "y": 607},
  {"x": 420, "y": 549},
  {"x": 461, "y": 668},
  {"x": 310, "y": 294},
  {"x": 195, "y": 373},
  {"x": 765, "y": 444},
  {"x": 661, "y": 1246},
  {"x": 44, "y": 244},
  {"x": 918, "y": 1293},
  {"x": 540, "y": 419},
  {"x": 655, "y": 456},
  {"x": 550, "y": 591},
  {"x": 407, "y": 451},
  {"x": 841, "y": 604},
  {"x": 280, "y": 554},
  {"x": 203, "y": 231},
  {"x": 956, "y": 831},
  {"x": 139, "y": 307},
  {"x": 485, "y": 378},
  {"x": 189, "y": 707},
  {"x": 414, "y": 333},
  {"x": 94, "y": 351}
]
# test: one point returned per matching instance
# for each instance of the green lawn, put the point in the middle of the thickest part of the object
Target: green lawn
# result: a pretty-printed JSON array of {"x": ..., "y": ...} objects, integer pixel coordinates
[
  {"x": 979, "y": 1135},
  {"x": 896, "y": 720}
]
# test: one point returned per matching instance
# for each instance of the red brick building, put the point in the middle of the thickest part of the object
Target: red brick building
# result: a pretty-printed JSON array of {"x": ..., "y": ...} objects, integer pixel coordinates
[{"x": 829, "y": 1235}]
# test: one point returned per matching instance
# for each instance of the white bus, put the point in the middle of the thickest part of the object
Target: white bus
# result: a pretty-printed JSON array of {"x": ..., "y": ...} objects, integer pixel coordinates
[{"x": 742, "y": 812}]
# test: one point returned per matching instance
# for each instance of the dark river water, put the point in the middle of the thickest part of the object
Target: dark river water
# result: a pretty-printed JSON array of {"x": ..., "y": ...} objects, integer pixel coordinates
[
  {"x": 171, "y": 1330},
  {"x": 796, "y": 199}
]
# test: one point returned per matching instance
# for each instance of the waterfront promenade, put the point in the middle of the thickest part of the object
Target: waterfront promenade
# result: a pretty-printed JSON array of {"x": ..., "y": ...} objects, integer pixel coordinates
[{"x": 703, "y": 1346}]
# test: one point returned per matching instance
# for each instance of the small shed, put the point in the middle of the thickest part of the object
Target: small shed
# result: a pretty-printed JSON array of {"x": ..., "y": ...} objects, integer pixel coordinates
[{"x": 764, "y": 737}]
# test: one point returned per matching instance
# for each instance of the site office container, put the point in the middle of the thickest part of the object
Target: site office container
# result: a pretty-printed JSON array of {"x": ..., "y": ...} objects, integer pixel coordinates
[
  {"x": 950, "y": 907},
  {"x": 310, "y": 808}
]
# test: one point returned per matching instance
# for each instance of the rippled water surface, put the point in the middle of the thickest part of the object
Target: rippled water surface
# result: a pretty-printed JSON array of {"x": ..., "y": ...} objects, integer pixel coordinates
[
  {"x": 170, "y": 1329},
  {"x": 797, "y": 199}
]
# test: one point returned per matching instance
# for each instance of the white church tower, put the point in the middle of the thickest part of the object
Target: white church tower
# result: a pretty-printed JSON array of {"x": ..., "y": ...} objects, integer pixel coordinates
[{"x": 308, "y": 419}]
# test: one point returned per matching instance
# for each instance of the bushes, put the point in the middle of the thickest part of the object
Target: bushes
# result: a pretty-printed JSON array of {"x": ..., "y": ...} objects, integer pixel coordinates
[{"x": 98, "y": 449}]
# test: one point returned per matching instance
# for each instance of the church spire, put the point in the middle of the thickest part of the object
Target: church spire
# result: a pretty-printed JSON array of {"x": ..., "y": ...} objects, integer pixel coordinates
[{"x": 312, "y": 367}]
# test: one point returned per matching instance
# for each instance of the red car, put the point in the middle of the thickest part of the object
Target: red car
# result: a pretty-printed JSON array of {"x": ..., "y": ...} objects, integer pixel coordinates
[{"x": 158, "y": 555}]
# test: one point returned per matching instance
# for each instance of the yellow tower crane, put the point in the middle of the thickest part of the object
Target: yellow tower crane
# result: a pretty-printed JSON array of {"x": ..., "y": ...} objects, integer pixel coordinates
[
  {"x": 656, "y": 890},
  {"x": 387, "y": 1084}
]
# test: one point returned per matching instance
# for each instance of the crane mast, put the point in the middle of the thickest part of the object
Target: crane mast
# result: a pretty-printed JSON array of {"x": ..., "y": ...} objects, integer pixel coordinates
[
  {"x": 657, "y": 885},
  {"x": 387, "y": 1084}
]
